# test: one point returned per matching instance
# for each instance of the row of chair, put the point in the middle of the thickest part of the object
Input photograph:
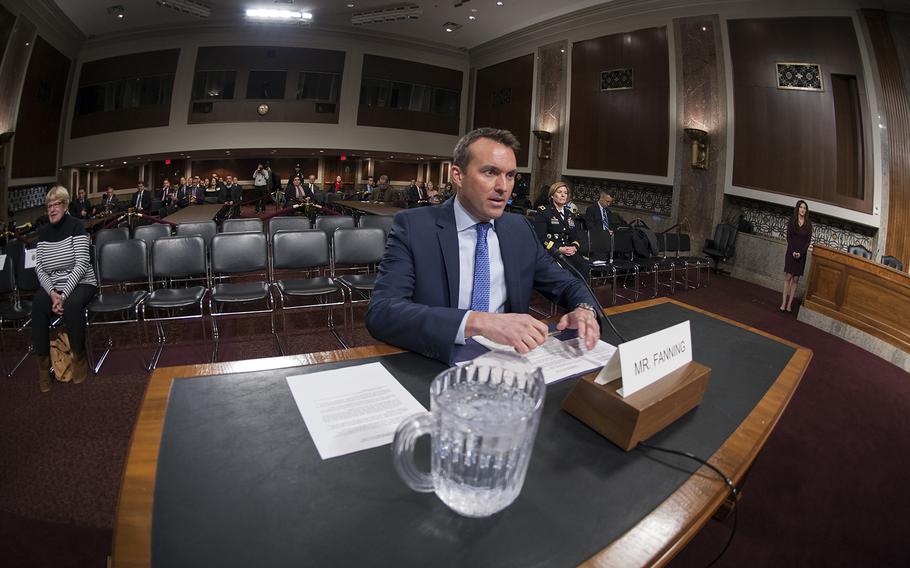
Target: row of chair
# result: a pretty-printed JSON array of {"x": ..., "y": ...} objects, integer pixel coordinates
[{"x": 887, "y": 259}]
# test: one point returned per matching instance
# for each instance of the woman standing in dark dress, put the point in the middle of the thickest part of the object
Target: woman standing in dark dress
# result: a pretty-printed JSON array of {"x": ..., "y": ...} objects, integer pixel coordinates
[
  {"x": 799, "y": 239},
  {"x": 558, "y": 230}
]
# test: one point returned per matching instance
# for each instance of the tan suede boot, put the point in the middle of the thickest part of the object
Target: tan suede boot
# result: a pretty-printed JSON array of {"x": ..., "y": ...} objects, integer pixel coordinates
[
  {"x": 80, "y": 367},
  {"x": 44, "y": 372}
]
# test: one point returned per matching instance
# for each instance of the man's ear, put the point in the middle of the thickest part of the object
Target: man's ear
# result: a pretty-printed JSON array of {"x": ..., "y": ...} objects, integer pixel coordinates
[{"x": 457, "y": 175}]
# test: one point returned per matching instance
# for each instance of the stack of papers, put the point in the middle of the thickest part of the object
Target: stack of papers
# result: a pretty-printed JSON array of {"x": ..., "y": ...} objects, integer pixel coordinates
[{"x": 557, "y": 359}]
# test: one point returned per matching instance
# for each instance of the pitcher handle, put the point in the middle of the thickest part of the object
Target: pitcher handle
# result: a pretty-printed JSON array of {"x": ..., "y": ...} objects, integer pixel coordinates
[{"x": 403, "y": 451}]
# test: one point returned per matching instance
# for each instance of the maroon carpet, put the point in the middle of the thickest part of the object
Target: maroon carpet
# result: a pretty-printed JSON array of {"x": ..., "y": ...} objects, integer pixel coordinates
[{"x": 827, "y": 490}]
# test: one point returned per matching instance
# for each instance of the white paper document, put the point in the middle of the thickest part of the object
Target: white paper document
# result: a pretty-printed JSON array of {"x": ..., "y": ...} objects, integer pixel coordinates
[
  {"x": 352, "y": 409},
  {"x": 31, "y": 258},
  {"x": 557, "y": 359}
]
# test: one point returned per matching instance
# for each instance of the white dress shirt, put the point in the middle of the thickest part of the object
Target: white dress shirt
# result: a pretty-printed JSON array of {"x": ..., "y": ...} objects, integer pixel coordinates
[{"x": 467, "y": 242}]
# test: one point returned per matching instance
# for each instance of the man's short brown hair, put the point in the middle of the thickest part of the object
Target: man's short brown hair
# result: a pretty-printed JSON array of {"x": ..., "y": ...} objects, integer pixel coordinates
[{"x": 462, "y": 154}]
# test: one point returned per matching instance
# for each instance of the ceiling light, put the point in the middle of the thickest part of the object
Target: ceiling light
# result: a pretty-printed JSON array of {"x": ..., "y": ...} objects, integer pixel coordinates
[
  {"x": 116, "y": 11},
  {"x": 278, "y": 14},
  {"x": 124, "y": 161},
  {"x": 190, "y": 7},
  {"x": 393, "y": 13},
  {"x": 350, "y": 5},
  {"x": 451, "y": 26},
  {"x": 472, "y": 17},
  {"x": 499, "y": 3}
]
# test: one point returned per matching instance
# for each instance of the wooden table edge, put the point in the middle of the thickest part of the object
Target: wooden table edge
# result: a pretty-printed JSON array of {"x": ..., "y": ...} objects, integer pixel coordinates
[
  {"x": 133, "y": 519},
  {"x": 132, "y": 539},
  {"x": 657, "y": 538}
]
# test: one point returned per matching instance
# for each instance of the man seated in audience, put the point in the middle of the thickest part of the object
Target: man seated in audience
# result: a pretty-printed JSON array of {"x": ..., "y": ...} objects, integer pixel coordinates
[
  {"x": 367, "y": 193},
  {"x": 142, "y": 199},
  {"x": 181, "y": 193},
  {"x": 311, "y": 185},
  {"x": 231, "y": 195},
  {"x": 382, "y": 188},
  {"x": 196, "y": 192},
  {"x": 599, "y": 217},
  {"x": 413, "y": 192},
  {"x": 467, "y": 268},
  {"x": 81, "y": 207},
  {"x": 297, "y": 172},
  {"x": 109, "y": 202},
  {"x": 166, "y": 193}
]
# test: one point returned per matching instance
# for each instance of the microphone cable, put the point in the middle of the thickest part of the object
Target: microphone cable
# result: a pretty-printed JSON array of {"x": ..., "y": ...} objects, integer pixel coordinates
[
  {"x": 734, "y": 493},
  {"x": 602, "y": 314}
]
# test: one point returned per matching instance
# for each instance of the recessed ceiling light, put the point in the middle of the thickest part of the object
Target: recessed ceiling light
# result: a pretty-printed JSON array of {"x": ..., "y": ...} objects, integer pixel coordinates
[
  {"x": 704, "y": 29},
  {"x": 124, "y": 161},
  {"x": 116, "y": 11},
  {"x": 472, "y": 17},
  {"x": 278, "y": 14},
  {"x": 321, "y": 151},
  {"x": 562, "y": 51},
  {"x": 451, "y": 26},
  {"x": 27, "y": 44},
  {"x": 499, "y": 3},
  {"x": 351, "y": 5}
]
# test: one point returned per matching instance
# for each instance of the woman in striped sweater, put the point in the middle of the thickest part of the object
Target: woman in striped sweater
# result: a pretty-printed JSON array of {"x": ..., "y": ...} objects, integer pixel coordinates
[{"x": 67, "y": 285}]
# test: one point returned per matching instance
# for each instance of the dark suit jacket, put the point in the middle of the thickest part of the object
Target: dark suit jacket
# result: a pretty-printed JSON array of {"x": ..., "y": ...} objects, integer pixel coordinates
[
  {"x": 415, "y": 300},
  {"x": 595, "y": 220},
  {"x": 76, "y": 208},
  {"x": 146, "y": 200},
  {"x": 183, "y": 195},
  {"x": 233, "y": 193}
]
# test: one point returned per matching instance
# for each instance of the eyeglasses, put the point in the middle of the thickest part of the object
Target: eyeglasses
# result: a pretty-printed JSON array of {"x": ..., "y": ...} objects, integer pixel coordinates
[{"x": 55, "y": 205}]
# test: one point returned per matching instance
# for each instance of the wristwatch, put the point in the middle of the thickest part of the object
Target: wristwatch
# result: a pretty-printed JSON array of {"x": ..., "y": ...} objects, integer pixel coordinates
[{"x": 587, "y": 306}]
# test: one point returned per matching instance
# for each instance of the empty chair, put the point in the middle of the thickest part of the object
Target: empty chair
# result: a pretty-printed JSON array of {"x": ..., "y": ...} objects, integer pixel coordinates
[
  {"x": 383, "y": 222},
  {"x": 683, "y": 250},
  {"x": 180, "y": 264},
  {"x": 860, "y": 250},
  {"x": 657, "y": 262},
  {"x": 355, "y": 255},
  {"x": 204, "y": 229},
  {"x": 723, "y": 246},
  {"x": 18, "y": 309},
  {"x": 242, "y": 226},
  {"x": 287, "y": 224},
  {"x": 235, "y": 255},
  {"x": 301, "y": 263},
  {"x": 610, "y": 253},
  {"x": 125, "y": 264},
  {"x": 893, "y": 262},
  {"x": 151, "y": 233},
  {"x": 329, "y": 223},
  {"x": 105, "y": 236}
]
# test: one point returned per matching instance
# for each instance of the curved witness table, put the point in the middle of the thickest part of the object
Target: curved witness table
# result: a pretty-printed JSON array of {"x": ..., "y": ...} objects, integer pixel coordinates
[{"x": 565, "y": 450}]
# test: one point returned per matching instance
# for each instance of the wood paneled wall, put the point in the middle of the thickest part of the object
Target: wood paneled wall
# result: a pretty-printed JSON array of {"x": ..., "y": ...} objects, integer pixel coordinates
[
  {"x": 502, "y": 99},
  {"x": 626, "y": 130},
  {"x": 418, "y": 74},
  {"x": 244, "y": 59},
  {"x": 397, "y": 171},
  {"x": 786, "y": 141},
  {"x": 120, "y": 178},
  {"x": 163, "y": 62},
  {"x": 7, "y": 19},
  {"x": 897, "y": 112},
  {"x": 40, "y": 110}
]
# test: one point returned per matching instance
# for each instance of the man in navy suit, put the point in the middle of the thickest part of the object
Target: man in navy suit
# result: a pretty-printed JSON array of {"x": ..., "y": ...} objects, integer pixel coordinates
[{"x": 467, "y": 268}]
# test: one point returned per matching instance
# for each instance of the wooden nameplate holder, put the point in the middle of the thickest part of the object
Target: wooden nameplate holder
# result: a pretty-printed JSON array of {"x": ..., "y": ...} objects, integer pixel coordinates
[{"x": 626, "y": 421}]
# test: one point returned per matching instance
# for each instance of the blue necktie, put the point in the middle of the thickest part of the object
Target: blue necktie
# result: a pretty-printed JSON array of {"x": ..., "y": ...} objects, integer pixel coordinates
[
  {"x": 603, "y": 213},
  {"x": 480, "y": 294}
]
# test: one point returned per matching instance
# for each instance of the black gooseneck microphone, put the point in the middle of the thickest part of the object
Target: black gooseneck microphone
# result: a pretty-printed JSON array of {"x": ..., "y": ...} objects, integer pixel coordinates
[{"x": 601, "y": 314}]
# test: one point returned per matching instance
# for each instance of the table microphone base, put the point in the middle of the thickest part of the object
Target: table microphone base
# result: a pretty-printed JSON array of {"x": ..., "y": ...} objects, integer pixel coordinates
[{"x": 626, "y": 421}]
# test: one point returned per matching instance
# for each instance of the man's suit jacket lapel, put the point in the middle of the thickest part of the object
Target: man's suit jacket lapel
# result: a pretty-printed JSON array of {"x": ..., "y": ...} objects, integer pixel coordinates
[
  {"x": 508, "y": 248},
  {"x": 448, "y": 245}
]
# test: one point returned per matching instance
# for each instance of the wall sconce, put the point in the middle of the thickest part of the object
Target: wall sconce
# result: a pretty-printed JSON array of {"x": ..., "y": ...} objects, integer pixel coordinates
[
  {"x": 543, "y": 144},
  {"x": 699, "y": 140}
]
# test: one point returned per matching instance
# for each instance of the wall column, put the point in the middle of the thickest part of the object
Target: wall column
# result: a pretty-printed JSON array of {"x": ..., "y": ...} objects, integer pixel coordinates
[{"x": 551, "y": 64}]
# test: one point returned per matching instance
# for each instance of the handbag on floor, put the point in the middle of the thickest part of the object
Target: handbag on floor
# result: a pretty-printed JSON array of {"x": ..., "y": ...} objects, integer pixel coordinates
[{"x": 62, "y": 357}]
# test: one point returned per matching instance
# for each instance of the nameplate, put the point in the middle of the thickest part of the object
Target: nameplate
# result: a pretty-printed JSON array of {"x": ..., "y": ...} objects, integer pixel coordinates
[
  {"x": 31, "y": 258},
  {"x": 645, "y": 360}
]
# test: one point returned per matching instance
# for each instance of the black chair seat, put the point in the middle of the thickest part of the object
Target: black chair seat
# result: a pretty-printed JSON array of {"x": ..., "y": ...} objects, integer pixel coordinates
[
  {"x": 10, "y": 311},
  {"x": 360, "y": 281},
  {"x": 167, "y": 298},
  {"x": 109, "y": 302},
  {"x": 308, "y": 287},
  {"x": 240, "y": 292},
  {"x": 712, "y": 252}
]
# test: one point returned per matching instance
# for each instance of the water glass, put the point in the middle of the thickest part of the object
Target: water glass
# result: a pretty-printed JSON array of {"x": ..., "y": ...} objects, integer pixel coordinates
[{"x": 482, "y": 423}]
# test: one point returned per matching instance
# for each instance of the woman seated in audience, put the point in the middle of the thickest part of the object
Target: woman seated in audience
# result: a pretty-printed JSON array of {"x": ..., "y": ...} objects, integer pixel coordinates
[
  {"x": 433, "y": 196},
  {"x": 212, "y": 190},
  {"x": 339, "y": 186},
  {"x": 67, "y": 285},
  {"x": 558, "y": 230}
]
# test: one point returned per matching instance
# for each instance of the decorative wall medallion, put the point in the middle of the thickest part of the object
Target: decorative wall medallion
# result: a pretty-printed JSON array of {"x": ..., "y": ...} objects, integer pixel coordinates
[
  {"x": 502, "y": 97},
  {"x": 263, "y": 109},
  {"x": 616, "y": 79},
  {"x": 799, "y": 76}
]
